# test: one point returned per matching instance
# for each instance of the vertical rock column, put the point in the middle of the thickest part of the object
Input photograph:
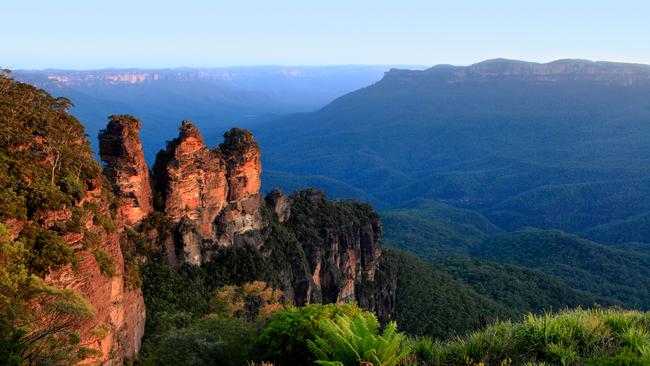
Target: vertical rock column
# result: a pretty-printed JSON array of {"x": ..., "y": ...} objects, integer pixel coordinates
[
  {"x": 120, "y": 148},
  {"x": 192, "y": 180},
  {"x": 242, "y": 215}
]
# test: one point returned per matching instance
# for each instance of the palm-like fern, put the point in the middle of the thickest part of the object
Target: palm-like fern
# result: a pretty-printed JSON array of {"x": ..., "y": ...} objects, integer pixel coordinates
[{"x": 348, "y": 342}]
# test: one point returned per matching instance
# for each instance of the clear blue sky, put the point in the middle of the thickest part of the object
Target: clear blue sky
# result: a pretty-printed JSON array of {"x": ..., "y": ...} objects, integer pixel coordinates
[{"x": 81, "y": 34}]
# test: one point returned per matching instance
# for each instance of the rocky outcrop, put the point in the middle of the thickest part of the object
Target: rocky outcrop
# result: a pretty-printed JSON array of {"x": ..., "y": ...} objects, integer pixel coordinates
[
  {"x": 322, "y": 251},
  {"x": 192, "y": 180},
  {"x": 121, "y": 150},
  {"x": 193, "y": 184},
  {"x": 279, "y": 203},
  {"x": 242, "y": 215},
  {"x": 212, "y": 195},
  {"x": 341, "y": 242}
]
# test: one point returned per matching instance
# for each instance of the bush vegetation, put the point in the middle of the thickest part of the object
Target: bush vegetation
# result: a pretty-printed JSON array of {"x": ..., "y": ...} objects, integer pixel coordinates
[
  {"x": 283, "y": 340},
  {"x": 46, "y": 165},
  {"x": 350, "y": 342},
  {"x": 43, "y": 334},
  {"x": 606, "y": 271},
  {"x": 576, "y": 337}
]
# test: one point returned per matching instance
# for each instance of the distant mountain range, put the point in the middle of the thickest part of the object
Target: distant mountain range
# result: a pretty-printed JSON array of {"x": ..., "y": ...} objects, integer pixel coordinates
[
  {"x": 215, "y": 99},
  {"x": 561, "y": 145}
]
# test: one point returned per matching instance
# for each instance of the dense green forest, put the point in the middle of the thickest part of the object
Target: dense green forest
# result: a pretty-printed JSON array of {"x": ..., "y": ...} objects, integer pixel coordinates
[
  {"x": 608, "y": 272},
  {"x": 592, "y": 272},
  {"x": 429, "y": 228},
  {"x": 566, "y": 153}
]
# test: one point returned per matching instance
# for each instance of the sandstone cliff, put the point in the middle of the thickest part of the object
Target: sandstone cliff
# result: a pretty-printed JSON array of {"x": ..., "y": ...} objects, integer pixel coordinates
[
  {"x": 64, "y": 295},
  {"x": 120, "y": 148},
  {"x": 118, "y": 327},
  {"x": 341, "y": 242},
  {"x": 212, "y": 195},
  {"x": 93, "y": 235}
]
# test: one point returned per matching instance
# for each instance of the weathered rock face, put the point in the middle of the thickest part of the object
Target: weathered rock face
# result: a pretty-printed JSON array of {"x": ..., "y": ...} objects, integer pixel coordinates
[
  {"x": 120, "y": 308},
  {"x": 192, "y": 179},
  {"x": 120, "y": 148},
  {"x": 279, "y": 203},
  {"x": 212, "y": 195},
  {"x": 341, "y": 242},
  {"x": 242, "y": 156}
]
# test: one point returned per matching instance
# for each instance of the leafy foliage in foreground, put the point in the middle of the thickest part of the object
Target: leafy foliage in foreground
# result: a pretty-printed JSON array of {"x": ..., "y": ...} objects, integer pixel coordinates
[
  {"x": 283, "y": 341},
  {"x": 43, "y": 334},
  {"x": 348, "y": 342},
  {"x": 577, "y": 337}
]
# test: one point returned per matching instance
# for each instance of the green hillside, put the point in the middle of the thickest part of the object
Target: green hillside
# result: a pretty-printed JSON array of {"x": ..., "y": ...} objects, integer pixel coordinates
[
  {"x": 431, "y": 302},
  {"x": 631, "y": 229},
  {"x": 602, "y": 270},
  {"x": 429, "y": 228},
  {"x": 566, "y": 152},
  {"x": 519, "y": 289}
]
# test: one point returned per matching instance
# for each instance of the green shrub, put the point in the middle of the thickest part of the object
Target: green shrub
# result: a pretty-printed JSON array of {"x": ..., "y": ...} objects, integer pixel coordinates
[
  {"x": 348, "y": 342},
  {"x": 13, "y": 205},
  {"x": 426, "y": 350},
  {"x": 283, "y": 341},
  {"x": 47, "y": 250},
  {"x": 105, "y": 262},
  {"x": 71, "y": 186},
  {"x": 90, "y": 240},
  {"x": 104, "y": 221},
  {"x": 211, "y": 340}
]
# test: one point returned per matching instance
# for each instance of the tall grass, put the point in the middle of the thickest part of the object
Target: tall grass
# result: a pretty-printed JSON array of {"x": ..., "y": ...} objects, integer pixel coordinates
[{"x": 572, "y": 337}]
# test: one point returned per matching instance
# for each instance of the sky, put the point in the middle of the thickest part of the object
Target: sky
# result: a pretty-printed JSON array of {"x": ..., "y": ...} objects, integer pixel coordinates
[{"x": 87, "y": 34}]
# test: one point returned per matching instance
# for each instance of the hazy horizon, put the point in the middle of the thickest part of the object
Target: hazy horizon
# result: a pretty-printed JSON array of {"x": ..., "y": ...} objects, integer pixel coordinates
[{"x": 270, "y": 66}]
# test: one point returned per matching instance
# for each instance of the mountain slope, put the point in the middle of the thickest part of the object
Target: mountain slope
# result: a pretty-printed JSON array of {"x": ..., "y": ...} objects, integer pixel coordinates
[
  {"x": 481, "y": 135},
  {"x": 519, "y": 289},
  {"x": 429, "y": 228},
  {"x": 599, "y": 269}
]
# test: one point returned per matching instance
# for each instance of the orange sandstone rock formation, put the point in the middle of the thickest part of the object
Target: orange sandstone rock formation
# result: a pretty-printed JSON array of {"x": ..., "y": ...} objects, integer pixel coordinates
[{"x": 120, "y": 148}]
